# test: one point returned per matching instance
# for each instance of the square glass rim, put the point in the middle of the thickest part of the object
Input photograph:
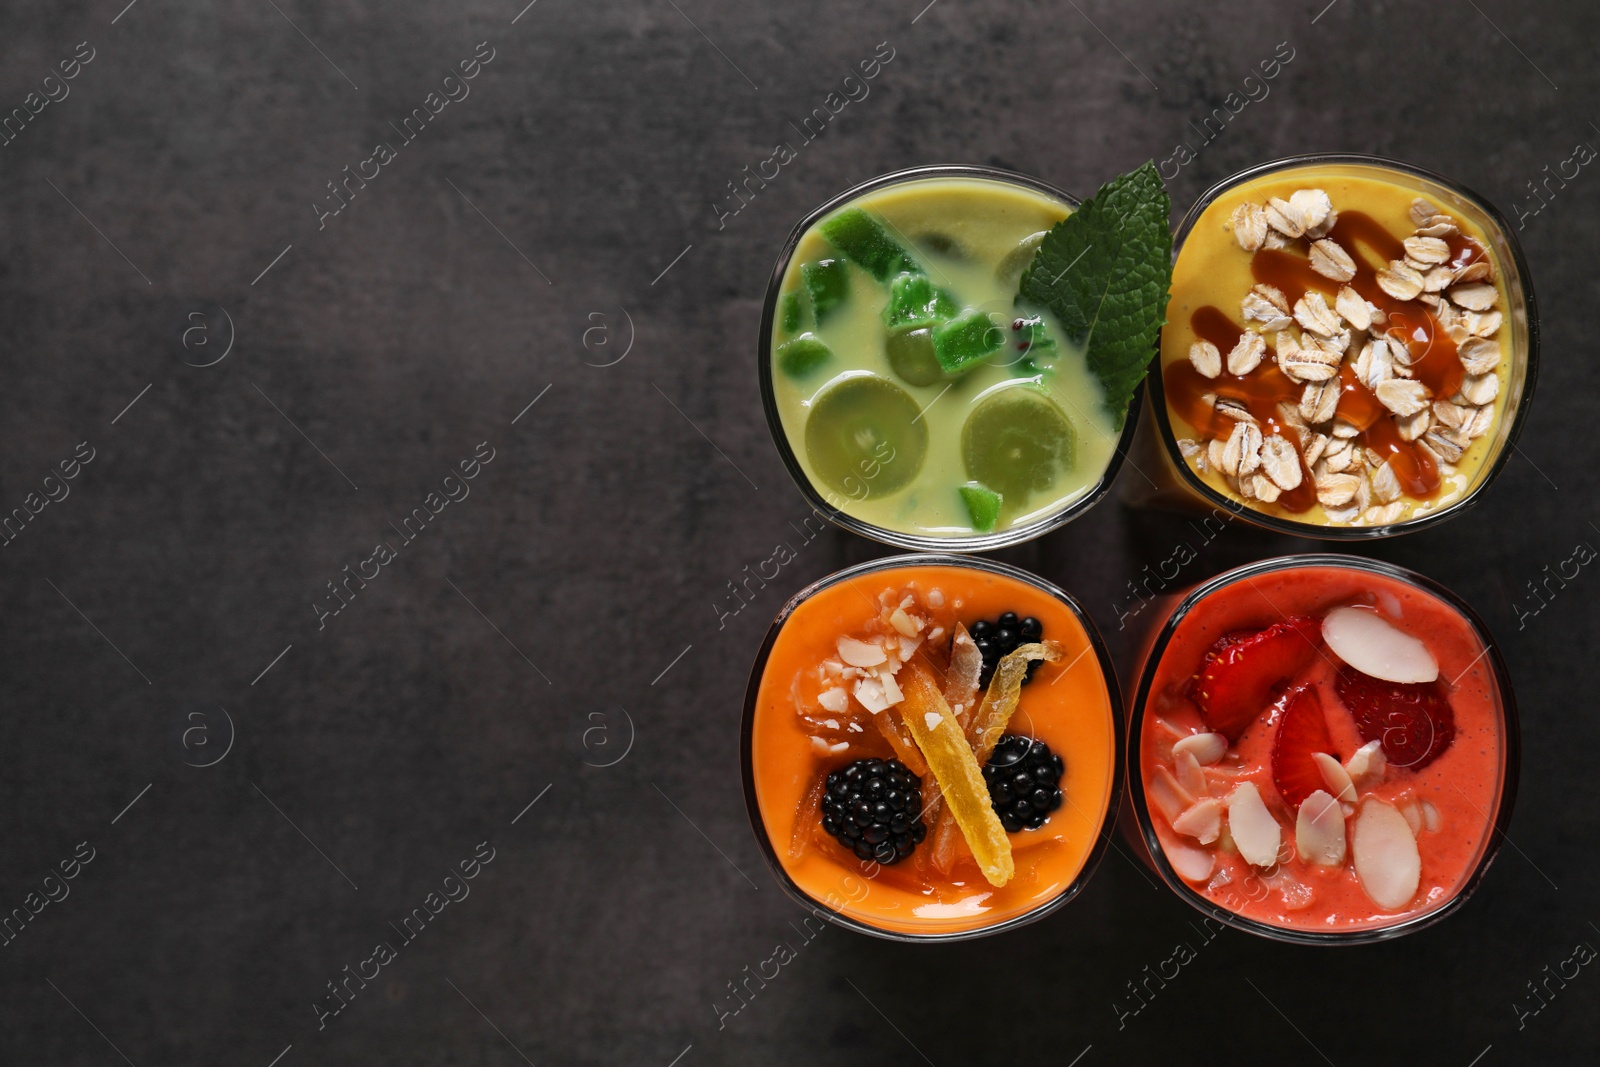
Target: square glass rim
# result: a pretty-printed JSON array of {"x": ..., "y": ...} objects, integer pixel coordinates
[
  {"x": 747, "y": 764},
  {"x": 1511, "y": 746},
  {"x": 1518, "y": 284},
  {"x": 814, "y": 496}
]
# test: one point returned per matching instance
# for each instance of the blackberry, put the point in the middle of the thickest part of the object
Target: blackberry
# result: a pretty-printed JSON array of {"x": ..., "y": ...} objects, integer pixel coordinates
[
  {"x": 1024, "y": 781},
  {"x": 873, "y": 808},
  {"x": 996, "y": 638}
]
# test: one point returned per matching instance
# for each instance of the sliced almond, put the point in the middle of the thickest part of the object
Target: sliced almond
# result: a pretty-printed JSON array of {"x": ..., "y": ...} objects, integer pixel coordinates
[
  {"x": 1254, "y": 830},
  {"x": 1190, "y": 777},
  {"x": 1411, "y": 811},
  {"x": 1203, "y": 821},
  {"x": 1475, "y": 296},
  {"x": 1385, "y": 855},
  {"x": 1280, "y": 462},
  {"x": 1249, "y": 225},
  {"x": 1192, "y": 864},
  {"x": 1402, "y": 396},
  {"x": 1400, "y": 281},
  {"x": 1206, "y": 359},
  {"x": 1373, "y": 645},
  {"x": 1368, "y": 765},
  {"x": 1246, "y": 356},
  {"x": 1205, "y": 748},
  {"x": 1338, "y": 779},
  {"x": 1332, "y": 261},
  {"x": 1169, "y": 797},
  {"x": 1319, "y": 830}
]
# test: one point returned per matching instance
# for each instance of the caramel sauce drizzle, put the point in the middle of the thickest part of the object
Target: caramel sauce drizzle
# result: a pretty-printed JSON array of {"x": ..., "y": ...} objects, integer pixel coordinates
[{"x": 1411, "y": 322}]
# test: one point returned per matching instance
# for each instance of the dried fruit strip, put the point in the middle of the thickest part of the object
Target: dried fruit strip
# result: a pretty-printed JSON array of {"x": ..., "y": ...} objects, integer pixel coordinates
[
  {"x": 893, "y": 728},
  {"x": 1005, "y": 693},
  {"x": 934, "y": 727}
]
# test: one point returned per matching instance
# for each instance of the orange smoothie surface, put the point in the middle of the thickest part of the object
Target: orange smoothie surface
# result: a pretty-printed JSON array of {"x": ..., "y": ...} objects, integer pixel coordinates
[
  {"x": 1462, "y": 786},
  {"x": 1067, "y": 705}
]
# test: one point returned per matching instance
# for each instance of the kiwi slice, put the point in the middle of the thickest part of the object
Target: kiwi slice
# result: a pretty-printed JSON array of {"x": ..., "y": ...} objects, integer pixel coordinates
[
  {"x": 911, "y": 355},
  {"x": 865, "y": 438},
  {"x": 1018, "y": 442}
]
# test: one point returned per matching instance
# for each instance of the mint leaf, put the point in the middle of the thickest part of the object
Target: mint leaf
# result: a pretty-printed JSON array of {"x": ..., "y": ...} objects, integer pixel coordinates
[{"x": 1105, "y": 273}]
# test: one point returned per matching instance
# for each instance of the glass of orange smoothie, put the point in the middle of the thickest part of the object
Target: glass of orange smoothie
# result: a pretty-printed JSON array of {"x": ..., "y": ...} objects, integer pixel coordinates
[
  {"x": 1350, "y": 350},
  {"x": 1324, "y": 748},
  {"x": 930, "y": 748}
]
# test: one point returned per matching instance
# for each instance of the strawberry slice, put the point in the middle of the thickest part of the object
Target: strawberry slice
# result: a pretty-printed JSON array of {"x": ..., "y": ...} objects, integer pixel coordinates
[
  {"x": 1302, "y": 732},
  {"x": 1241, "y": 674},
  {"x": 1413, "y": 723}
]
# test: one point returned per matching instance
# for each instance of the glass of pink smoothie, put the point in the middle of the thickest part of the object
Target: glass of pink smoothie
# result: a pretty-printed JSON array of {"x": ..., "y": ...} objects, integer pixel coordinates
[{"x": 1324, "y": 748}]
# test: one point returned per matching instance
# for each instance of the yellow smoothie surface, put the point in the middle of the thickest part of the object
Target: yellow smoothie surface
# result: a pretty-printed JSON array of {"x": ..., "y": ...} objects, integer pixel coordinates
[
  {"x": 818, "y": 715},
  {"x": 1339, "y": 347},
  {"x": 881, "y": 429}
]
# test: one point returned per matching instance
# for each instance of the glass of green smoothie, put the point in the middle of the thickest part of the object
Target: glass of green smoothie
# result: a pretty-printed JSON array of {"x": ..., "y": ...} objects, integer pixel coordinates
[{"x": 914, "y": 399}]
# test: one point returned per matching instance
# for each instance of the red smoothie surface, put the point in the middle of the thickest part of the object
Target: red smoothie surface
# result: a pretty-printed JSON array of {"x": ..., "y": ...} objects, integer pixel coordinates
[{"x": 1463, "y": 785}]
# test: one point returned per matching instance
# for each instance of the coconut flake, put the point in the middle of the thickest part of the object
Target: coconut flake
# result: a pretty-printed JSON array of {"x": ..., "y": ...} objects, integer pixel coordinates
[
  {"x": 891, "y": 689},
  {"x": 1374, "y": 646},
  {"x": 861, "y": 653},
  {"x": 908, "y": 625},
  {"x": 869, "y": 691},
  {"x": 932, "y": 719},
  {"x": 835, "y": 700}
]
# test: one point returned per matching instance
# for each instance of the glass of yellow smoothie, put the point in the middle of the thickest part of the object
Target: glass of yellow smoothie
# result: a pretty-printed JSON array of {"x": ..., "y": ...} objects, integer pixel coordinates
[
  {"x": 912, "y": 398},
  {"x": 1350, "y": 350}
]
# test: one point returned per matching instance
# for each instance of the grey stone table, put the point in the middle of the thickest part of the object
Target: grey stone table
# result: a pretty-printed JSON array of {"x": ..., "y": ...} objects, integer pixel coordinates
[{"x": 258, "y": 341}]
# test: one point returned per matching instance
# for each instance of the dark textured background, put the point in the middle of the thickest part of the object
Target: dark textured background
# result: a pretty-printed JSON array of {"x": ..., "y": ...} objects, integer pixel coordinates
[{"x": 598, "y": 541}]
